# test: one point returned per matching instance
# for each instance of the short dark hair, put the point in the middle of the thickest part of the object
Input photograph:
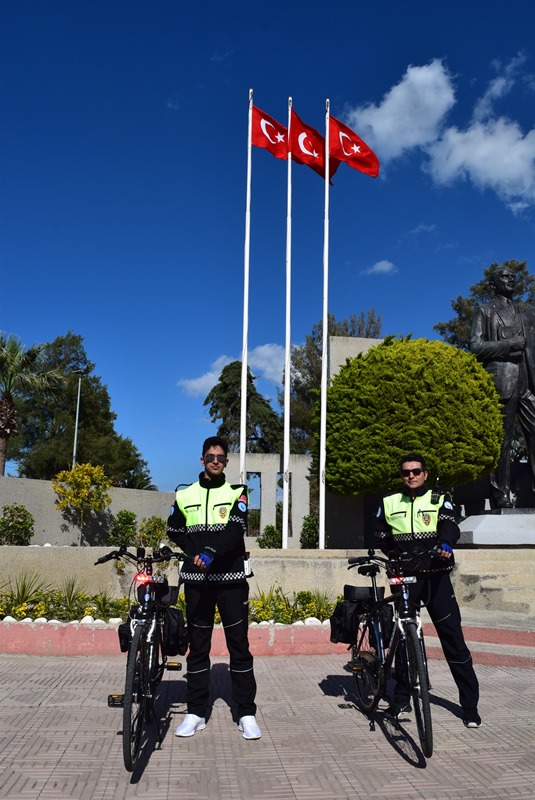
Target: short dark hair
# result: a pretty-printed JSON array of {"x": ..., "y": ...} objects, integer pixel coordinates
[
  {"x": 215, "y": 441},
  {"x": 413, "y": 457}
]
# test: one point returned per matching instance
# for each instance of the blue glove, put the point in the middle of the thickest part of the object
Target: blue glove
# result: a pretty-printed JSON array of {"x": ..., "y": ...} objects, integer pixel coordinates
[
  {"x": 206, "y": 559},
  {"x": 446, "y": 548}
]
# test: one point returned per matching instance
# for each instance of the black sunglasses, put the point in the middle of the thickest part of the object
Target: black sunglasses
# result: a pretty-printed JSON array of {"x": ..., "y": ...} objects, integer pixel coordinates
[
  {"x": 408, "y": 472},
  {"x": 209, "y": 457}
]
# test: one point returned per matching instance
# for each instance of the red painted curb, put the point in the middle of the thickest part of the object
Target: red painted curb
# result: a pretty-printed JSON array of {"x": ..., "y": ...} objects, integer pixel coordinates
[
  {"x": 76, "y": 639},
  {"x": 491, "y": 635}
]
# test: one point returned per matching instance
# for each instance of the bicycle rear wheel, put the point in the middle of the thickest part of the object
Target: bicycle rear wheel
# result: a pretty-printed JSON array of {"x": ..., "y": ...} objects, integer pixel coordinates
[
  {"x": 419, "y": 688},
  {"x": 134, "y": 704},
  {"x": 368, "y": 672}
]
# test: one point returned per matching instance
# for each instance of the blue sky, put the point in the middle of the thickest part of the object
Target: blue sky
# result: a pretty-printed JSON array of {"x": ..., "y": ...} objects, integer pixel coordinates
[{"x": 123, "y": 173}]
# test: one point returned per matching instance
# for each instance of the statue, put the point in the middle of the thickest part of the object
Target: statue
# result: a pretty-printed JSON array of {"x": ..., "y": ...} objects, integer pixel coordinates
[{"x": 503, "y": 339}]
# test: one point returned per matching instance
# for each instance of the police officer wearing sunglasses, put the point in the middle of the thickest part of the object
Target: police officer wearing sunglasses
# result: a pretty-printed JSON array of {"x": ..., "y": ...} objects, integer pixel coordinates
[
  {"x": 209, "y": 521},
  {"x": 417, "y": 519}
]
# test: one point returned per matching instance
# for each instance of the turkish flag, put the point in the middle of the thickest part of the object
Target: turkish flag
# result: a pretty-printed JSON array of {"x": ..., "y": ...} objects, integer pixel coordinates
[
  {"x": 345, "y": 145},
  {"x": 268, "y": 133},
  {"x": 307, "y": 146}
]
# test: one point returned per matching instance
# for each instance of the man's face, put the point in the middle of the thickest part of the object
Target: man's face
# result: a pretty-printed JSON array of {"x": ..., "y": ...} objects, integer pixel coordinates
[
  {"x": 214, "y": 461},
  {"x": 503, "y": 280},
  {"x": 412, "y": 475}
]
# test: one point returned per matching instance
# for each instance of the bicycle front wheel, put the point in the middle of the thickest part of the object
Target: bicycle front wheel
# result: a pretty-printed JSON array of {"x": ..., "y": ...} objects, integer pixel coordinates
[
  {"x": 368, "y": 672},
  {"x": 419, "y": 688},
  {"x": 134, "y": 704},
  {"x": 153, "y": 668}
]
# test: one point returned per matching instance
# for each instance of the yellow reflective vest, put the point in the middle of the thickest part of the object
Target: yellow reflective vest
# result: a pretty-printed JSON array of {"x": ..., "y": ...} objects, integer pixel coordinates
[
  {"x": 406, "y": 516},
  {"x": 207, "y": 508}
]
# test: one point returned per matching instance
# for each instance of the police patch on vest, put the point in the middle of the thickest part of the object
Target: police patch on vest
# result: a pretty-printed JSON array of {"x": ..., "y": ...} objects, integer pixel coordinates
[
  {"x": 426, "y": 517},
  {"x": 222, "y": 512}
]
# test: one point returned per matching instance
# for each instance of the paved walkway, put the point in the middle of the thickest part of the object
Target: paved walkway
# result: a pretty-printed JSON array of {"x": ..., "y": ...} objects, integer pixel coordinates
[{"x": 60, "y": 740}]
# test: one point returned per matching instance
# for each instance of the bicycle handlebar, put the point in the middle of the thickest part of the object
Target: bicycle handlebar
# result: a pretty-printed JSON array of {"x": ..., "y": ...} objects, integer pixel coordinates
[
  {"x": 166, "y": 554},
  {"x": 395, "y": 559}
]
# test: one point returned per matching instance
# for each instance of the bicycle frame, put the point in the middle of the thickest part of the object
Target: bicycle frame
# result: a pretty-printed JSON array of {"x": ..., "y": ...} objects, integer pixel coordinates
[
  {"x": 372, "y": 657},
  {"x": 146, "y": 660}
]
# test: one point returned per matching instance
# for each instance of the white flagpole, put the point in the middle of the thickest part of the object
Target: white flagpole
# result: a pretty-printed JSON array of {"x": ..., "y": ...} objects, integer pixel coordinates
[
  {"x": 324, "y": 357},
  {"x": 243, "y": 406},
  {"x": 287, "y": 360}
]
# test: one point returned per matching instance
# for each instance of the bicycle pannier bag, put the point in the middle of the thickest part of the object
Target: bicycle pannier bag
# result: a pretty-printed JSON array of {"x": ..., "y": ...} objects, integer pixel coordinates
[
  {"x": 175, "y": 633},
  {"x": 344, "y": 622},
  {"x": 123, "y": 631}
]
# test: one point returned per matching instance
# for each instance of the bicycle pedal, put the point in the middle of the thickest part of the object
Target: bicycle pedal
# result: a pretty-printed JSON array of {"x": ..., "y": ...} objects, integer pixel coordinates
[
  {"x": 115, "y": 700},
  {"x": 175, "y": 666}
]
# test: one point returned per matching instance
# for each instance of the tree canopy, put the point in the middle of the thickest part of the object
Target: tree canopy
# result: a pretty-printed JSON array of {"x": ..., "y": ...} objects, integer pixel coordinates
[
  {"x": 411, "y": 396},
  {"x": 306, "y": 363},
  {"x": 44, "y": 445},
  {"x": 264, "y": 425},
  {"x": 23, "y": 372},
  {"x": 457, "y": 330}
]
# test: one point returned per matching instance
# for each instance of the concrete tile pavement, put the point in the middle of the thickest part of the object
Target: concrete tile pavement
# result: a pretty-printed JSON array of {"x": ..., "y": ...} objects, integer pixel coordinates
[{"x": 59, "y": 739}]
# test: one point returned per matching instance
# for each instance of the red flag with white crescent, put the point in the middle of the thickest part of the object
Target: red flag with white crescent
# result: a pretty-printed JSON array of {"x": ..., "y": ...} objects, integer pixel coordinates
[
  {"x": 307, "y": 146},
  {"x": 268, "y": 133},
  {"x": 345, "y": 145}
]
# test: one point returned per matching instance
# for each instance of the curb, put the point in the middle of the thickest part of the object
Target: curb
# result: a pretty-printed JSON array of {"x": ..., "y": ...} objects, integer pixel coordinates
[{"x": 488, "y": 646}]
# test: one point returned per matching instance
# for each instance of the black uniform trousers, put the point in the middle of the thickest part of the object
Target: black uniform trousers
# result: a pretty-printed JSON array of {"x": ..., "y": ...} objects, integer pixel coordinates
[
  {"x": 436, "y": 593},
  {"x": 232, "y": 600}
]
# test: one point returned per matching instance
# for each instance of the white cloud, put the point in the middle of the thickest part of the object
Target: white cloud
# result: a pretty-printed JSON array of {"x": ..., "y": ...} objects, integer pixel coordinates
[
  {"x": 265, "y": 361},
  {"x": 173, "y": 104},
  {"x": 411, "y": 113},
  {"x": 493, "y": 155},
  {"x": 380, "y": 268},
  {"x": 420, "y": 229},
  {"x": 195, "y": 387},
  {"x": 221, "y": 55},
  {"x": 492, "y": 151},
  {"x": 499, "y": 87}
]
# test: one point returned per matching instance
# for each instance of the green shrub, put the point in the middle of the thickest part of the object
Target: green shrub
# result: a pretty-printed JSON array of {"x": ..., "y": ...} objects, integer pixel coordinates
[
  {"x": 16, "y": 525},
  {"x": 309, "y": 539},
  {"x": 152, "y": 533},
  {"x": 70, "y": 602},
  {"x": 29, "y": 597},
  {"x": 277, "y": 606},
  {"x": 82, "y": 492},
  {"x": 253, "y": 522},
  {"x": 123, "y": 529},
  {"x": 270, "y": 538},
  {"x": 411, "y": 396}
]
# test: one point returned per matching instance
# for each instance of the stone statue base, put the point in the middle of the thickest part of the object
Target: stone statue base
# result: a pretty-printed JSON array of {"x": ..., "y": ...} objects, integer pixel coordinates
[{"x": 502, "y": 526}]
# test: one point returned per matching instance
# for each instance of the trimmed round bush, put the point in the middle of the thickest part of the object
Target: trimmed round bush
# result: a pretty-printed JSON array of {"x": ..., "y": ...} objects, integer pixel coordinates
[{"x": 407, "y": 396}]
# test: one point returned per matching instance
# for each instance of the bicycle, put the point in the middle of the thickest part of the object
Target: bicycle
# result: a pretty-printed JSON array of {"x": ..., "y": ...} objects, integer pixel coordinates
[
  {"x": 143, "y": 638},
  {"x": 373, "y": 653}
]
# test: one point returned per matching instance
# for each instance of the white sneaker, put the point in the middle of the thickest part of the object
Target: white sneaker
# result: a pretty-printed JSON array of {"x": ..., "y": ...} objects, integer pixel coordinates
[
  {"x": 191, "y": 724},
  {"x": 249, "y": 727}
]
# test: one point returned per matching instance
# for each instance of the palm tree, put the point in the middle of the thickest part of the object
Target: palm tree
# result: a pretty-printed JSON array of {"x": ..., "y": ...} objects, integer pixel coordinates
[{"x": 19, "y": 374}]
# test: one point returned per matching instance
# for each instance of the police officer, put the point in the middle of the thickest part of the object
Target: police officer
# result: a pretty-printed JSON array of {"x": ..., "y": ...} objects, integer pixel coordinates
[
  {"x": 208, "y": 521},
  {"x": 416, "y": 519}
]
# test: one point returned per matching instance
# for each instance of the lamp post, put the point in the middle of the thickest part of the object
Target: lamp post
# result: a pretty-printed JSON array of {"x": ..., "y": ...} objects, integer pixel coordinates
[{"x": 80, "y": 373}]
